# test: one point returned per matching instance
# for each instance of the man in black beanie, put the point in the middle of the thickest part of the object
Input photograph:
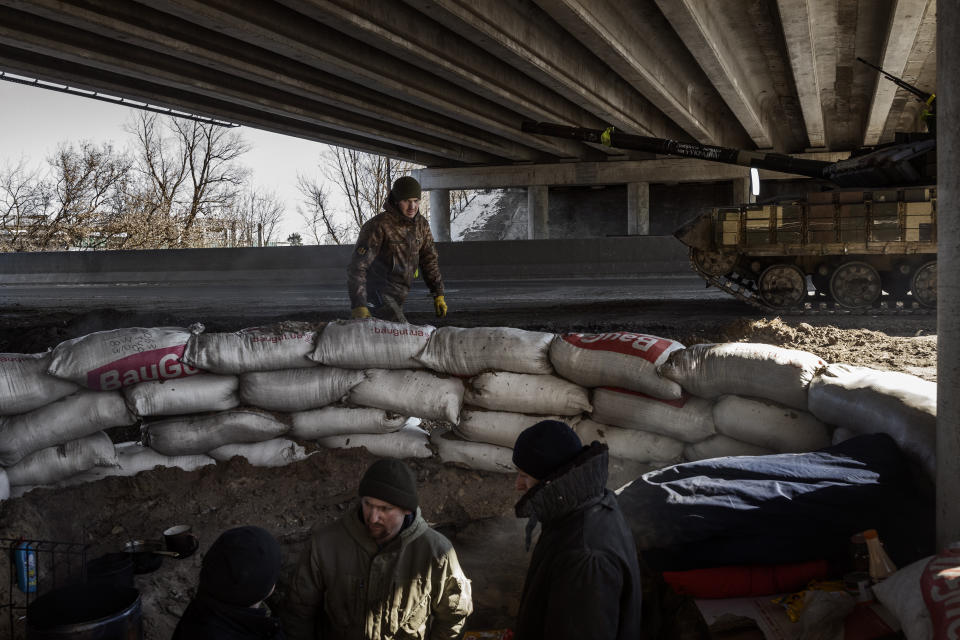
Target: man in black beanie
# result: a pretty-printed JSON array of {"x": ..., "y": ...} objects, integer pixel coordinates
[
  {"x": 583, "y": 580},
  {"x": 237, "y": 574},
  {"x": 379, "y": 573},
  {"x": 390, "y": 249}
]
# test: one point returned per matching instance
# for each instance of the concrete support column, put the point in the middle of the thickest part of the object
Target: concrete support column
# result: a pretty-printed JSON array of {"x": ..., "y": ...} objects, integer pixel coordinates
[
  {"x": 638, "y": 209},
  {"x": 538, "y": 201},
  {"x": 948, "y": 283},
  {"x": 742, "y": 193},
  {"x": 440, "y": 214}
]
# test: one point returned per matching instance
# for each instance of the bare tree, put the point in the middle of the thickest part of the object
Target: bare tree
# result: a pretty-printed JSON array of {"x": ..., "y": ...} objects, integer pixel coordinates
[
  {"x": 256, "y": 216},
  {"x": 460, "y": 199},
  {"x": 23, "y": 202},
  {"x": 320, "y": 220}
]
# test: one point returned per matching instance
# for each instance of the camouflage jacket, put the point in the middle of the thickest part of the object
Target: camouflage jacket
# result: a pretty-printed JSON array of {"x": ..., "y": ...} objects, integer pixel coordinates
[{"x": 389, "y": 249}]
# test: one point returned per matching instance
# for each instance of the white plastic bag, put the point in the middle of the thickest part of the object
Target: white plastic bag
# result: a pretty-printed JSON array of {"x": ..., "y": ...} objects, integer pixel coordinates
[
  {"x": 617, "y": 359},
  {"x": 474, "y": 455},
  {"x": 331, "y": 421},
  {"x": 371, "y": 344},
  {"x": 500, "y": 427},
  {"x": 744, "y": 369},
  {"x": 468, "y": 352},
  {"x": 108, "y": 360},
  {"x": 721, "y": 446},
  {"x": 689, "y": 418},
  {"x": 630, "y": 444},
  {"x": 70, "y": 418},
  {"x": 410, "y": 393},
  {"x": 769, "y": 425},
  {"x": 25, "y": 384},
  {"x": 192, "y": 435},
  {"x": 281, "y": 346},
  {"x": 62, "y": 461},
  {"x": 297, "y": 389},
  {"x": 277, "y": 452},
  {"x": 196, "y": 394},
  {"x": 526, "y": 393},
  {"x": 409, "y": 442}
]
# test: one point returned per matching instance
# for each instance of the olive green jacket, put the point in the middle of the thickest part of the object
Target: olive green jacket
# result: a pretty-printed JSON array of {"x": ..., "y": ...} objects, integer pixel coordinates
[
  {"x": 388, "y": 252},
  {"x": 346, "y": 589}
]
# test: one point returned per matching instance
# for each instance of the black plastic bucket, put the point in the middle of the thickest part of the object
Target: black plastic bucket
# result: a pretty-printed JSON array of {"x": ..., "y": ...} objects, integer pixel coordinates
[
  {"x": 111, "y": 570},
  {"x": 82, "y": 612}
]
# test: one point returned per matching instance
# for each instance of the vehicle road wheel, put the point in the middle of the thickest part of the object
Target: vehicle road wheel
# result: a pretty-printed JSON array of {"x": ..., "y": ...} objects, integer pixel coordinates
[
  {"x": 855, "y": 285},
  {"x": 714, "y": 263},
  {"x": 924, "y": 285},
  {"x": 782, "y": 286}
]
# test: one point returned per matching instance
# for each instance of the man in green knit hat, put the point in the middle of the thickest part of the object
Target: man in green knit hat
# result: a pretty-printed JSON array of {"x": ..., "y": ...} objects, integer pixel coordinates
[{"x": 390, "y": 248}]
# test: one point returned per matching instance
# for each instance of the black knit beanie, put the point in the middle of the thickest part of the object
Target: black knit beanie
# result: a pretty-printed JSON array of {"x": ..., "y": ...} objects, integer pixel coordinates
[
  {"x": 545, "y": 447},
  {"x": 241, "y": 566},
  {"x": 405, "y": 188},
  {"x": 392, "y": 481}
]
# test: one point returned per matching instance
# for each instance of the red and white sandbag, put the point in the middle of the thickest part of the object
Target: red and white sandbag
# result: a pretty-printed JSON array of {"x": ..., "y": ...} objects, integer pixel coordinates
[
  {"x": 410, "y": 393},
  {"x": 25, "y": 384},
  {"x": 277, "y": 452},
  {"x": 285, "y": 345},
  {"x": 474, "y": 455},
  {"x": 371, "y": 343},
  {"x": 769, "y": 425},
  {"x": 78, "y": 415},
  {"x": 196, "y": 394},
  {"x": 526, "y": 393},
  {"x": 940, "y": 588},
  {"x": 630, "y": 444},
  {"x": 688, "y": 418},
  {"x": 53, "y": 464},
  {"x": 192, "y": 435},
  {"x": 744, "y": 369},
  {"x": 472, "y": 351},
  {"x": 109, "y": 360},
  {"x": 865, "y": 400},
  {"x": 297, "y": 389},
  {"x": 617, "y": 359},
  {"x": 500, "y": 427},
  {"x": 721, "y": 446},
  {"x": 409, "y": 442},
  {"x": 331, "y": 421}
]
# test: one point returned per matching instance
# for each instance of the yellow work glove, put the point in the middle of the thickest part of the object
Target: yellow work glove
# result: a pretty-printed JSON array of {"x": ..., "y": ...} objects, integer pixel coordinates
[
  {"x": 440, "y": 306},
  {"x": 360, "y": 312}
]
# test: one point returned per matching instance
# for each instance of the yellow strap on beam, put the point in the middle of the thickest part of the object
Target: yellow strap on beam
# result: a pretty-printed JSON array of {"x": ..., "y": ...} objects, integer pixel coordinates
[{"x": 605, "y": 136}]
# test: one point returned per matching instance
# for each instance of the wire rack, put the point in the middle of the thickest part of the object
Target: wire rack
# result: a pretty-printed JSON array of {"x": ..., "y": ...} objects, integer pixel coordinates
[{"x": 58, "y": 564}]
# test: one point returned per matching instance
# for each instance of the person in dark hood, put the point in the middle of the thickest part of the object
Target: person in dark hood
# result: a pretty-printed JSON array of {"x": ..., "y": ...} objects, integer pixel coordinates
[
  {"x": 238, "y": 573},
  {"x": 583, "y": 580},
  {"x": 390, "y": 249}
]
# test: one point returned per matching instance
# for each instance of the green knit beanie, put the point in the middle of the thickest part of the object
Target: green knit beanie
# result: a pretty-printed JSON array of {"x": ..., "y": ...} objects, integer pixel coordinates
[
  {"x": 392, "y": 481},
  {"x": 405, "y": 188}
]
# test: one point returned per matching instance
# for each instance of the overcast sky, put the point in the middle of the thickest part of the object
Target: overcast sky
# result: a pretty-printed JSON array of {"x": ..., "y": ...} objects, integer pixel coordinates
[{"x": 34, "y": 120}]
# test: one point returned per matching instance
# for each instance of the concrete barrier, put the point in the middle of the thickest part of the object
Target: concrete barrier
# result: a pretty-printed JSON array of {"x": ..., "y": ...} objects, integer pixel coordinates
[{"x": 516, "y": 259}]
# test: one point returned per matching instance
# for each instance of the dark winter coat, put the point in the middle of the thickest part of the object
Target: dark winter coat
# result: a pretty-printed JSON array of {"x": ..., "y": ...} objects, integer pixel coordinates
[
  {"x": 389, "y": 249},
  {"x": 208, "y": 619},
  {"x": 584, "y": 579}
]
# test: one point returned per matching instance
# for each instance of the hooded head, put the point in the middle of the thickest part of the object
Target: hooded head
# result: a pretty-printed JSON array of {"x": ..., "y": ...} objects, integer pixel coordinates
[
  {"x": 545, "y": 447},
  {"x": 241, "y": 567}
]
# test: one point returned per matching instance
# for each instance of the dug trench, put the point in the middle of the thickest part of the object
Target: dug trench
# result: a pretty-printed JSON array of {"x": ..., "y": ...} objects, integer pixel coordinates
[{"x": 473, "y": 508}]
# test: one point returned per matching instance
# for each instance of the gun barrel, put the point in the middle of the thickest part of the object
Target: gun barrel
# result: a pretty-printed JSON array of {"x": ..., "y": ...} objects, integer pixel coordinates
[{"x": 924, "y": 96}]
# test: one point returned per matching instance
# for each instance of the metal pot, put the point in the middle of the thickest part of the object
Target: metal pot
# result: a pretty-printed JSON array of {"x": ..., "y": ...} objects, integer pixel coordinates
[{"x": 147, "y": 554}]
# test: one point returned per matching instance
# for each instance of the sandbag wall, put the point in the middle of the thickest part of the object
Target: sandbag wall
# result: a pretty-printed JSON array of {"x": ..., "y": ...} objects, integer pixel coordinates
[{"x": 261, "y": 392}]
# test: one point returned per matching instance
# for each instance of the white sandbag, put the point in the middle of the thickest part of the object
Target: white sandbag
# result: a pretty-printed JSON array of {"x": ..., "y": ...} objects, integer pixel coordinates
[
  {"x": 62, "y": 461},
  {"x": 108, "y": 360},
  {"x": 192, "y": 435},
  {"x": 865, "y": 400},
  {"x": 744, "y": 369},
  {"x": 842, "y": 434},
  {"x": 500, "y": 427},
  {"x": 474, "y": 455},
  {"x": 196, "y": 394},
  {"x": 78, "y": 415},
  {"x": 409, "y": 442},
  {"x": 331, "y": 421},
  {"x": 25, "y": 384},
  {"x": 688, "y": 418},
  {"x": 526, "y": 393},
  {"x": 468, "y": 352},
  {"x": 134, "y": 458},
  {"x": 411, "y": 393},
  {"x": 4, "y": 485},
  {"x": 280, "y": 346},
  {"x": 769, "y": 425},
  {"x": 630, "y": 444},
  {"x": 720, "y": 446},
  {"x": 297, "y": 389},
  {"x": 618, "y": 359},
  {"x": 371, "y": 344},
  {"x": 278, "y": 452}
]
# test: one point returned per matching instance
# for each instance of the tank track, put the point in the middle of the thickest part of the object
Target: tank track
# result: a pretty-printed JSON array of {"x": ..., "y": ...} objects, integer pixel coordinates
[{"x": 746, "y": 291}]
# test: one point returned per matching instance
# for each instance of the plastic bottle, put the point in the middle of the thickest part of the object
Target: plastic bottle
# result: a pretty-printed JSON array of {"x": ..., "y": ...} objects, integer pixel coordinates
[
  {"x": 25, "y": 560},
  {"x": 881, "y": 565}
]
